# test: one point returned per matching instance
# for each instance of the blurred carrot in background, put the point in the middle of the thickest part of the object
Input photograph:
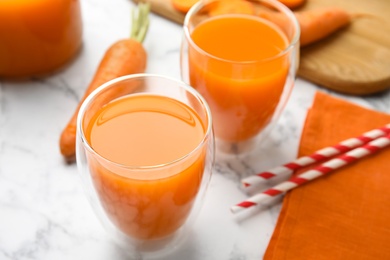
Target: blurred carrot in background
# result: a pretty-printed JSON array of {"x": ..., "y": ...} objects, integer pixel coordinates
[
  {"x": 292, "y": 3},
  {"x": 315, "y": 24},
  {"x": 232, "y": 6},
  {"x": 319, "y": 23},
  {"x": 183, "y": 5}
]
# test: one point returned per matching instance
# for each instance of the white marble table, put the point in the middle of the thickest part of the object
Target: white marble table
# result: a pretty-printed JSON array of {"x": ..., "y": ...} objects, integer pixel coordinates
[{"x": 43, "y": 211}]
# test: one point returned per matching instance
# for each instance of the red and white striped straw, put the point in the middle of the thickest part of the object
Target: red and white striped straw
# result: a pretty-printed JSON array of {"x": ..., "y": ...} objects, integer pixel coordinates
[
  {"x": 318, "y": 156},
  {"x": 316, "y": 172}
]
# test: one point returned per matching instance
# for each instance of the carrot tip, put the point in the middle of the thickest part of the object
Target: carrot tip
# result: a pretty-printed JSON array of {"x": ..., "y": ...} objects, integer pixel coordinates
[{"x": 70, "y": 160}]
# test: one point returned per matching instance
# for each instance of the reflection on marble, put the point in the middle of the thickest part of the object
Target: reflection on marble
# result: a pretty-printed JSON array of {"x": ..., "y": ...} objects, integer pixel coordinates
[{"x": 43, "y": 211}]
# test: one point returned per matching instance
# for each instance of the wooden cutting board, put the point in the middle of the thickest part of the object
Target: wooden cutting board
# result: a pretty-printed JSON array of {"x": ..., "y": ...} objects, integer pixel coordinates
[{"x": 355, "y": 60}]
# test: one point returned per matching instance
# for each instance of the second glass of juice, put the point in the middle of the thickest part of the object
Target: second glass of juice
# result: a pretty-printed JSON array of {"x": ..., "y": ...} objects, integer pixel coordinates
[
  {"x": 242, "y": 56},
  {"x": 145, "y": 150}
]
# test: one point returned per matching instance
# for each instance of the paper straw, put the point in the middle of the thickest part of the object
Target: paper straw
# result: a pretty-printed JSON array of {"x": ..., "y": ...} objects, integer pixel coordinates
[
  {"x": 316, "y": 172},
  {"x": 317, "y": 156}
]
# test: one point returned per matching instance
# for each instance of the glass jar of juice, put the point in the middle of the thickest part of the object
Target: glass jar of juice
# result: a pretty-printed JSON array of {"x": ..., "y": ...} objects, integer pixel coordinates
[{"x": 38, "y": 37}]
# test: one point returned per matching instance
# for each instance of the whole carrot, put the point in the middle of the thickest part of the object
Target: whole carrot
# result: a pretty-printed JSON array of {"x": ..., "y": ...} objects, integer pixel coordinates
[{"x": 124, "y": 57}]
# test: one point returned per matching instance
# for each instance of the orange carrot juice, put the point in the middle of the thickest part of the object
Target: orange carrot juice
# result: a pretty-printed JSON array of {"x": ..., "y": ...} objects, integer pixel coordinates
[
  {"x": 38, "y": 36},
  {"x": 140, "y": 133},
  {"x": 235, "y": 63}
]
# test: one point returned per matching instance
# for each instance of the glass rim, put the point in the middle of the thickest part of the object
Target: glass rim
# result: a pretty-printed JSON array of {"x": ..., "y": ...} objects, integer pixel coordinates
[
  {"x": 274, "y": 3},
  {"x": 80, "y": 135}
]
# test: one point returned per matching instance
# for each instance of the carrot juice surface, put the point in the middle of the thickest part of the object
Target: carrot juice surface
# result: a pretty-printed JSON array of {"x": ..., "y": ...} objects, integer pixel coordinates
[
  {"x": 147, "y": 131},
  {"x": 236, "y": 63},
  {"x": 37, "y": 37}
]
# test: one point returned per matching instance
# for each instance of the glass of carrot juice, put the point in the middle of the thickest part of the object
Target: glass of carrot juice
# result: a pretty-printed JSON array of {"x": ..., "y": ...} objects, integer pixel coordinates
[
  {"x": 145, "y": 150},
  {"x": 242, "y": 57}
]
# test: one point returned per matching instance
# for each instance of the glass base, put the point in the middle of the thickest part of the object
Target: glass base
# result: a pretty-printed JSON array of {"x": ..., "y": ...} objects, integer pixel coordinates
[
  {"x": 243, "y": 148},
  {"x": 152, "y": 249},
  {"x": 236, "y": 148}
]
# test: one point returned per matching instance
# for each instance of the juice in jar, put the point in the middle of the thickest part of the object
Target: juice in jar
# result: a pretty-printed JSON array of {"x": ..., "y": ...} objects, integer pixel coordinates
[
  {"x": 39, "y": 36},
  {"x": 148, "y": 196},
  {"x": 236, "y": 63}
]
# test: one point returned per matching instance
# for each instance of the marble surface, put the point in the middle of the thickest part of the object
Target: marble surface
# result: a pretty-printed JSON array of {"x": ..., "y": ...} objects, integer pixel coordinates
[{"x": 44, "y": 213}]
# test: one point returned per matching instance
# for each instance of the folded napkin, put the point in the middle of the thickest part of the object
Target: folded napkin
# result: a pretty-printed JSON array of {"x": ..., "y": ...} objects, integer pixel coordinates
[{"x": 346, "y": 214}]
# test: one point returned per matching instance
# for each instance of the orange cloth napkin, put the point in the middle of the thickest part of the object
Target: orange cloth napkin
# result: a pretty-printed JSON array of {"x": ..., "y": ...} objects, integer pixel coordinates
[{"x": 346, "y": 214}]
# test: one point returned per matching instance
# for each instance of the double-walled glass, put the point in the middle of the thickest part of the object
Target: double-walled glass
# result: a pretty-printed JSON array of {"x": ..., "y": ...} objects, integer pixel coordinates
[
  {"x": 146, "y": 208},
  {"x": 242, "y": 56}
]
